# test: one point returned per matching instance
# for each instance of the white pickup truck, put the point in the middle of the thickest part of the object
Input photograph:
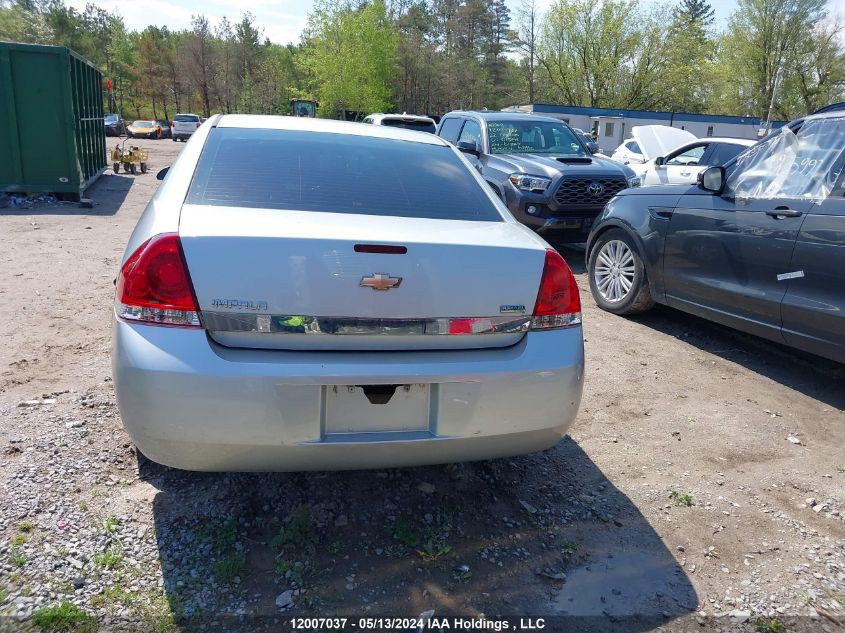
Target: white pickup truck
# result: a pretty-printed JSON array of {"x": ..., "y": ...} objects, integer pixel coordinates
[{"x": 184, "y": 125}]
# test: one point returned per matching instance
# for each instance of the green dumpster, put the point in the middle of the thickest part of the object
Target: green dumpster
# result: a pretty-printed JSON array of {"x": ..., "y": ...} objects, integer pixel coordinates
[{"x": 52, "y": 136}]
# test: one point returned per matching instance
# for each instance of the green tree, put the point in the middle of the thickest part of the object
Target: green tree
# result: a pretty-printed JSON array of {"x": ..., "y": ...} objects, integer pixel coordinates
[
  {"x": 605, "y": 54},
  {"x": 690, "y": 53},
  {"x": 351, "y": 53},
  {"x": 763, "y": 42}
]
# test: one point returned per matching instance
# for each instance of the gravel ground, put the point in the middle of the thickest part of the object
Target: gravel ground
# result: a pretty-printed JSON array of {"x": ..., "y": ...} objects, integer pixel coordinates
[{"x": 701, "y": 487}]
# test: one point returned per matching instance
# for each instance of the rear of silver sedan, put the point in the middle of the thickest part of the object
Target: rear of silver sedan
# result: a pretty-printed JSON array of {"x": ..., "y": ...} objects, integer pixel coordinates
[{"x": 305, "y": 294}]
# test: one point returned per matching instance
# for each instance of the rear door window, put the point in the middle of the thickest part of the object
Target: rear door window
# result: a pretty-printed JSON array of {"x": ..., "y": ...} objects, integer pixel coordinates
[
  {"x": 724, "y": 152},
  {"x": 471, "y": 132},
  {"x": 449, "y": 129},
  {"x": 315, "y": 171}
]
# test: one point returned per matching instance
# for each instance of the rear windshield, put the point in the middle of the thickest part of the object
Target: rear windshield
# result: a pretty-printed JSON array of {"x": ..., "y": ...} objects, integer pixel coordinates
[
  {"x": 110, "y": 118},
  {"x": 187, "y": 118},
  {"x": 317, "y": 171},
  {"x": 142, "y": 124},
  {"x": 421, "y": 126}
]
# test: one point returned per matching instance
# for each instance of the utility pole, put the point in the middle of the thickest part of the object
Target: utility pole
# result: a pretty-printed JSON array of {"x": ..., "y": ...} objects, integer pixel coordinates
[{"x": 778, "y": 78}]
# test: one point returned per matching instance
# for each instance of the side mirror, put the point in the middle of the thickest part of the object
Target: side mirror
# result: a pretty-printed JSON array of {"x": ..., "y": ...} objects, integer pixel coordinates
[
  {"x": 659, "y": 161},
  {"x": 162, "y": 173},
  {"x": 712, "y": 179},
  {"x": 469, "y": 147}
]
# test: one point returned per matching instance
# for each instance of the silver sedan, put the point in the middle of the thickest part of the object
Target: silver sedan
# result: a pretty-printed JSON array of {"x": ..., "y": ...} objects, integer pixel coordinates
[{"x": 306, "y": 294}]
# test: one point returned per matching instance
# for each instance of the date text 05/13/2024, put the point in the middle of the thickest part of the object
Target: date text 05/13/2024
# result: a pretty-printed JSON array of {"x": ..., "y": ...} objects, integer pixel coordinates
[{"x": 419, "y": 624}]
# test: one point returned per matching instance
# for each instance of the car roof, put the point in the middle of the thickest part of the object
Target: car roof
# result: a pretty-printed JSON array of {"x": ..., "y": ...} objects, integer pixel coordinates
[
  {"x": 394, "y": 115},
  {"x": 305, "y": 124},
  {"x": 503, "y": 116}
]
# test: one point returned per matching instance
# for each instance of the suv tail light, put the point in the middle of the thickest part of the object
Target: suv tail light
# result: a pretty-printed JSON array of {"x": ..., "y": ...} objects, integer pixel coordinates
[
  {"x": 198, "y": 124},
  {"x": 154, "y": 285},
  {"x": 558, "y": 302},
  {"x": 173, "y": 124}
]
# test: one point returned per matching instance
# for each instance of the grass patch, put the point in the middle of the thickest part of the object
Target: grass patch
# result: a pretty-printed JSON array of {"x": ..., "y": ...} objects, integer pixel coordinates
[
  {"x": 18, "y": 540},
  {"x": 681, "y": 498},
  {"x": 429, "y": 542},
  {"x": 25, "y": 526},
  {"x": 226, "y": 536},
  {"x": 82, "y": 505},
  {"x": 297, "y": 533},
  {"x": 4, "y": 594},
  {"x": 61, "y": 586},
  {"x": 17, "y": 557},
  {"x": 64, "y": 616},
  {"x": 110, "y": 525},
  {"x": 299, "y": 570},
  {"x": 229, "y": 566},
  {"x": 110, "y": 559},
  {"x": 769, "y": 625},
  {"x": 568, "y": 548}
]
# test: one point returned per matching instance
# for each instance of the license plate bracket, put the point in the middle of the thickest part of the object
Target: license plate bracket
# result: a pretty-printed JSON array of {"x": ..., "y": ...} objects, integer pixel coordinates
[{"x": 365, "y": 409}]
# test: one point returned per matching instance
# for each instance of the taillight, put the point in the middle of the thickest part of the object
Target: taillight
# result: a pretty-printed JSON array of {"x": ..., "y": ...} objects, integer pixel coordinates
[
  {"x": 154, "y": 285},
  {"x": 173, "y": 124},
  {"x": 558, "y": 302},
  {"x": 198, "y": 124}
]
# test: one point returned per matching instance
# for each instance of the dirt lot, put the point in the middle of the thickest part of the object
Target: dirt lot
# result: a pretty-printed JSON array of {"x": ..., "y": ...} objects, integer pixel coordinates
[{"x": 702, "y": 486}]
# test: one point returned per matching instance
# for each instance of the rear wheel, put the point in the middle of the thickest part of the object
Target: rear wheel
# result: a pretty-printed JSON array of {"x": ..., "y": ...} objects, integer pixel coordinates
[
  {"x": 174, "y": 139},
  {"x": 143, "y": 168},
  {"x": 134, "y": 169},
  {"x": 618, "y": 279},
  {"x": 116, "y": 167}
]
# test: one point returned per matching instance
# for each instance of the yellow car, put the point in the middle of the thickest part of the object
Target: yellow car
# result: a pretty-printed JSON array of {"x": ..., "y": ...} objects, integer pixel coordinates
[{"x": 144, "y": 129}]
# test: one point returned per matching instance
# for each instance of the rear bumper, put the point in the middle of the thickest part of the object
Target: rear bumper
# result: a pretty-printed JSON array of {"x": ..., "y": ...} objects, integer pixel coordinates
[{"x": 190, "y": 403}]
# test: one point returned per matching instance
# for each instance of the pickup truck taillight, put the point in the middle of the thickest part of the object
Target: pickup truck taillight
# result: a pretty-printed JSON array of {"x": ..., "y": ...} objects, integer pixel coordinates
[
  {"x": 154, "y": 285},
  {"x": 198, "y": 124},
  {"x": 558, "y": 302}
]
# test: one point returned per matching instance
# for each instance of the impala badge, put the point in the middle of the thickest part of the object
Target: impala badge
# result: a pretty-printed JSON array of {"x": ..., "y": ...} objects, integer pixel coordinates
[{"x": 381, "y": 281}]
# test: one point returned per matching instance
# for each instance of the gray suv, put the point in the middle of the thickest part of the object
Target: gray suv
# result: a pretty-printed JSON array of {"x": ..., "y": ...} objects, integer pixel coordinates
[
  {"x": 758, "y": 244},
  {"x": 548, "y": 178}
]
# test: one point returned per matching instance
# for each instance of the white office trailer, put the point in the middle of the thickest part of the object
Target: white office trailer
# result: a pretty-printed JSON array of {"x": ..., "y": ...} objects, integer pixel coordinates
[{"x": 613, "y": 126}]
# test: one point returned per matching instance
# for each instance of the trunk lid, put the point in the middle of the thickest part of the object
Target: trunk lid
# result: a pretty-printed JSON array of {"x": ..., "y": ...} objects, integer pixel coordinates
[
  {"x": 293, "y": 279},
  {"x": 659, "y": 140}
]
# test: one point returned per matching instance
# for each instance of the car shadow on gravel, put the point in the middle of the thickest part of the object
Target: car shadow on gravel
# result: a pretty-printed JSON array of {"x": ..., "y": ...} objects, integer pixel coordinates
[
  {"x": 816, "y": 377},
  {"x": 540, "y": 536},
  {"x": 107, "y": 193}
]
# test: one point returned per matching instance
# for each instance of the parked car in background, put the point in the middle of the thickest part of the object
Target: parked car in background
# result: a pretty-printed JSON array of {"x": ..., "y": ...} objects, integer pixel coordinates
[
  {"x": 683, "y": 164},
  {"x": 143, "y": 129},
  {"x": 322, "y": 319},
  {"x": 184, "y": 125},
  {"x": 588, "y": 141},
  {"x": 407, "y": 121},
  {"x": 165, "y": 127},
  {"x": 647, "y": 142},
  {"x": 758, "y": 244},
  {"x": 540, "y": 168},
  {"x": 115, "y": 125}
]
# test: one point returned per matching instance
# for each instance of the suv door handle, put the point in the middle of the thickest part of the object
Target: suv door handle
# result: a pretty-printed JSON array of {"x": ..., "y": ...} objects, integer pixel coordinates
[{"x": 779, "y": 213}]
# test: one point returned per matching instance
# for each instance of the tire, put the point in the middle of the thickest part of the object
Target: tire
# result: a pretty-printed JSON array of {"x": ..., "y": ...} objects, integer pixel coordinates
[
  {"x": 618, "y": 278},
  {"x": 174, "y": 139},
  {"x": 116, "y": 168},
  {"x": 134, "y": 169},
  {"x": 143, "y": 168}
]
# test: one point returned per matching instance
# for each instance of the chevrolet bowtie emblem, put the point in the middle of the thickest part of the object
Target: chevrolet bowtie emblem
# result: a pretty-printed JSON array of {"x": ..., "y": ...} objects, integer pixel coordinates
[{"x": 381, "y": 281}]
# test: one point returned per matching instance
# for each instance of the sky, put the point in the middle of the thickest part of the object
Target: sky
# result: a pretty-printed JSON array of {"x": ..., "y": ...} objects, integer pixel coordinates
[{"x": 281, "y": 20}]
